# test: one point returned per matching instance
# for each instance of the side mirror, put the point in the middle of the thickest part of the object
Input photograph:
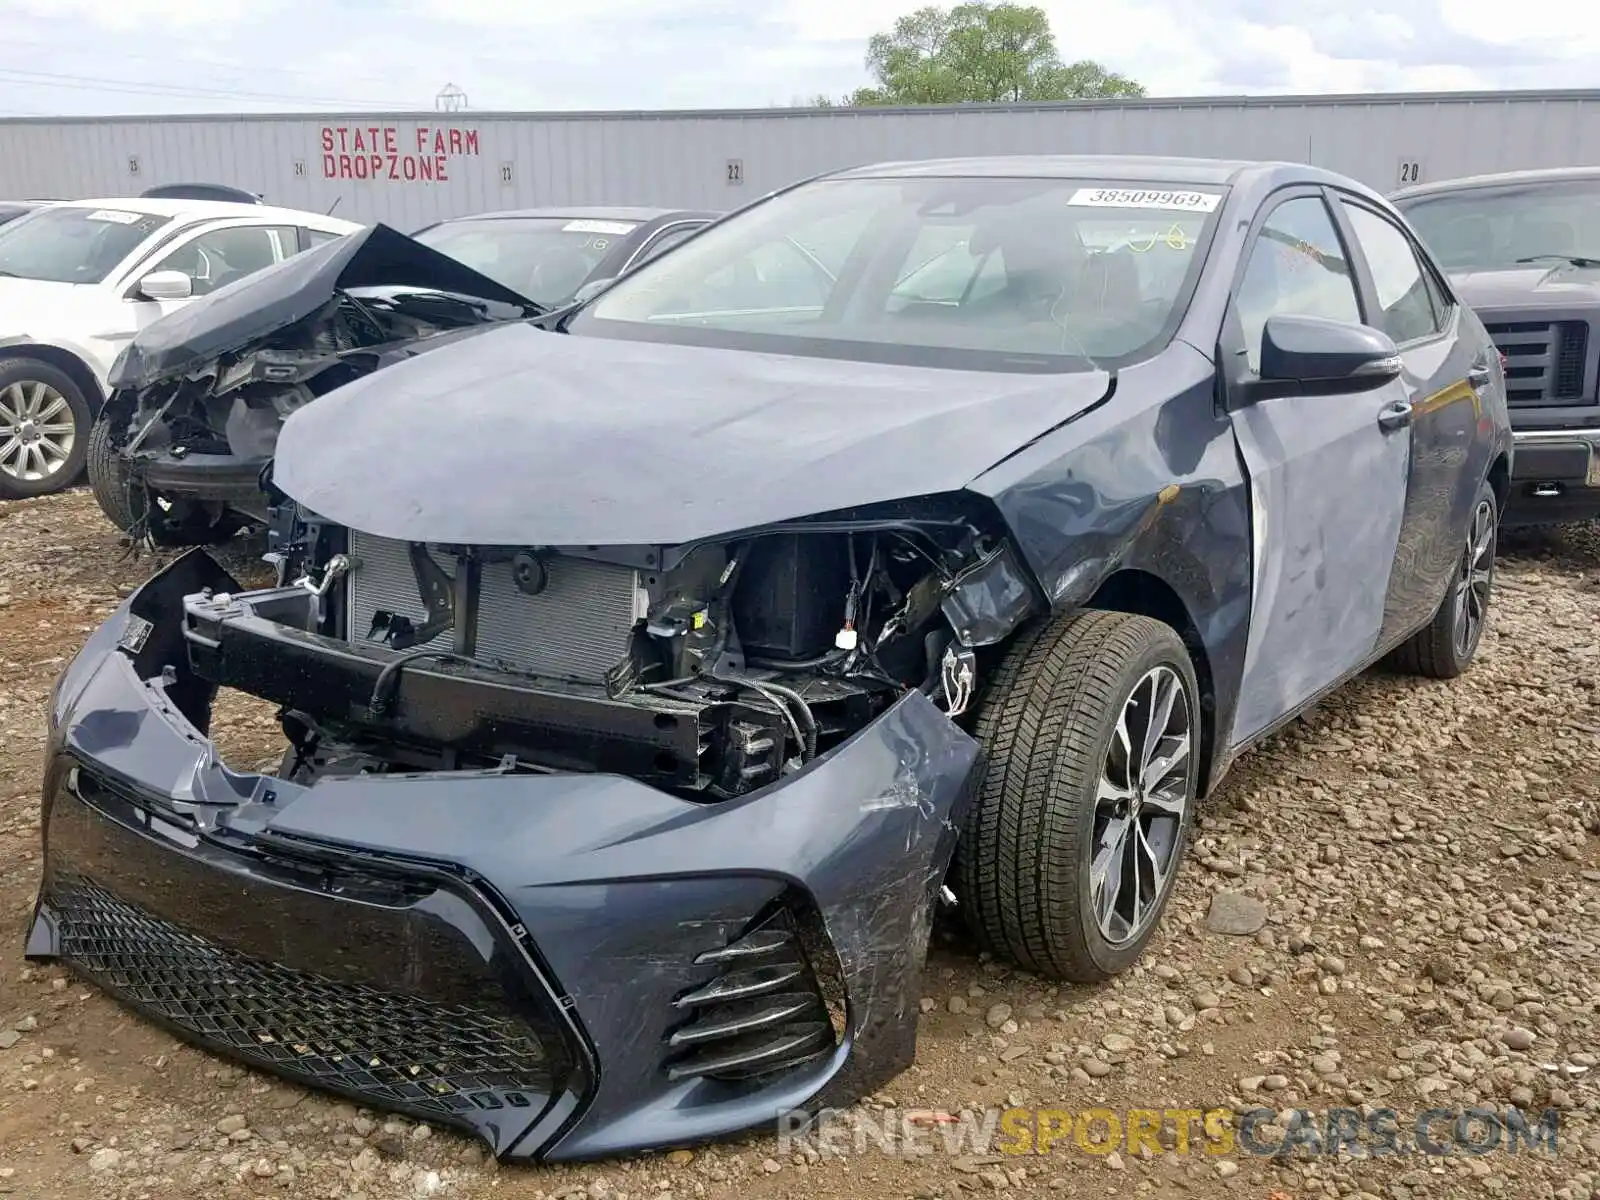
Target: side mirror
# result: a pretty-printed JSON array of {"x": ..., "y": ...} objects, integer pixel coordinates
[
  {"x": 1314, "y": 356},
  {"x": 592, "y": 289},
  {"x": 166, "y": 285}
]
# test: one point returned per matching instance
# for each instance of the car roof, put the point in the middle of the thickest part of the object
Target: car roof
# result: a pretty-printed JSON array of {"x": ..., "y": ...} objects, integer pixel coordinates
[
  {"x": 1254, "y": 178},
  {"x": 201, "y": 209},
  {"x": 1132, "y": 167},
  {"x": 583, "y": 212},
  {"x": 1498, "y": 179}
]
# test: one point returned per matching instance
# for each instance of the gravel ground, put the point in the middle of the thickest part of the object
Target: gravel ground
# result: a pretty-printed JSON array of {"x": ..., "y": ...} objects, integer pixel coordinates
[{"x": 1417, "y": 866}]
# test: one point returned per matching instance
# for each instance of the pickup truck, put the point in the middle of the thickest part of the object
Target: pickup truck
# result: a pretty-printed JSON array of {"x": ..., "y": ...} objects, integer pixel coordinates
[{"x": 1522, "y": 248}]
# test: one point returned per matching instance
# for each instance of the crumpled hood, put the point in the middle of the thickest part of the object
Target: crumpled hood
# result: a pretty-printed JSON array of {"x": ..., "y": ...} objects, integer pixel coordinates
[
  {"x": 275, "y": 298},
  {"x": 524, "y": 437},
  {"x": 1534, "y": 285}
]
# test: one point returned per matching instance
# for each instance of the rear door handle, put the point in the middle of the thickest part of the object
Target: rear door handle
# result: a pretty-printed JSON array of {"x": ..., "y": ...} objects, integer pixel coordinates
[
  {"x": 1395, "y": 416},
  {"x": 1479, "y": 377}
]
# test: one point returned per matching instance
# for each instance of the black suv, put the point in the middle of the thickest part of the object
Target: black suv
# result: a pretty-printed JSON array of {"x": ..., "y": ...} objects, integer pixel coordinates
[{"x": 1523, "y": 249}]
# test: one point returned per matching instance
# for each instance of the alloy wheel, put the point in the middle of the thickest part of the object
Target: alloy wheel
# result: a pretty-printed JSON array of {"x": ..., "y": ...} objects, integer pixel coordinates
[
  {"x": 1141, "y": 800},
  {"x": 36, "y": 430},
  {"x": 1473, "y": 580}
]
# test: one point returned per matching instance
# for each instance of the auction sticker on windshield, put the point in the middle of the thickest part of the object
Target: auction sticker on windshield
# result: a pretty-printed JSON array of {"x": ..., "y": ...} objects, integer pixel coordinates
[
  {"x": 587, "y": 226},
  {"x": 1145, "y": 198},
  {"x": 115, "y": 216}
]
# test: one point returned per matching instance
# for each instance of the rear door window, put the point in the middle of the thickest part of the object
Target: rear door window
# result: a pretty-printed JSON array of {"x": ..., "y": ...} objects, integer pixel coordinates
[{"x": 1406, "y": 309}]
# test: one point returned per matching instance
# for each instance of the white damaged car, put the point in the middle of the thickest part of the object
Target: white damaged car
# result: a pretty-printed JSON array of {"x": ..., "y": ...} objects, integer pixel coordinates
[{"x": 79, "y": 279}]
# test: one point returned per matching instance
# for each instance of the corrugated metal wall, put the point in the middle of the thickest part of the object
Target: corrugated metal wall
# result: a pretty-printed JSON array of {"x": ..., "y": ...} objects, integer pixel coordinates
[{"x": 722, "y": 159}]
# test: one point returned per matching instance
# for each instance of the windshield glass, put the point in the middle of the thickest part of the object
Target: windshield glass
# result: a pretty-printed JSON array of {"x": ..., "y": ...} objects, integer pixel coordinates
[
  {"x": 67, "y": 244},
  {"x": 986, "y": 273},
  {"x": 545, "y": 259},
  {"x": 1485, "y": 228}
]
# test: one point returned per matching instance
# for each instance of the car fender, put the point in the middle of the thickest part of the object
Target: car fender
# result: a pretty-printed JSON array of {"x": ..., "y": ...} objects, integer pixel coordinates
[
  {"x": 1140, "y": 501},
  {"x": 70, "y": 354}
]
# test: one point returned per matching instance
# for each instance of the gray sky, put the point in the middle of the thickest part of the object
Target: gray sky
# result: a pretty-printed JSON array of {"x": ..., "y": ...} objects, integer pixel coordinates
[{"x": 147, "y": 56}]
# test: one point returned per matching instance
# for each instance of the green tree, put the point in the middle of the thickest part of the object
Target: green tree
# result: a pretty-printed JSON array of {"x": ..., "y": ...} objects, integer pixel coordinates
[{"x": 979, "y": 52}]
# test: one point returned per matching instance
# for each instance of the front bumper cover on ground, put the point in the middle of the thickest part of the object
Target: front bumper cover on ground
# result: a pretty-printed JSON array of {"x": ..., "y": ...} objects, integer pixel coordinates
[{"x": 567, "y": 966}]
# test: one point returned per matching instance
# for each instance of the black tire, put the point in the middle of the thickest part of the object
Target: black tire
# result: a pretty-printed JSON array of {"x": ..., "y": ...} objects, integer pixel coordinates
[
  {"x": 134, "y": 510},
  {"x": 1446, "y": 646},
  {"x": 109, "y": 479},
  {"x": 1047, "y": 722},
  {"x": 25, "y": 372}
]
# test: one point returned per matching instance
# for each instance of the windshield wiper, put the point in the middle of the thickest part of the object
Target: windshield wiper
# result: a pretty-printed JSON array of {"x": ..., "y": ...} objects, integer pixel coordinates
[{"x": 1577, "y": 260}]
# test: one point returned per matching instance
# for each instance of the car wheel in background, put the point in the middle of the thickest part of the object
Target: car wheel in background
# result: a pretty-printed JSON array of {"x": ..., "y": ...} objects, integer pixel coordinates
[
  {"x": 1446, "y": 646},
  {"x": 1091, "y": 726},
  {"x": 44, "y": 428}
]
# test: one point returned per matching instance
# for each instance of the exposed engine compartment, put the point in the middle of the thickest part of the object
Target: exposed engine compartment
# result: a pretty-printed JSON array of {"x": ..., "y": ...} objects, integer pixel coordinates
[
  {"x": 236, "y": 404},
  {"x": 709, "y": 670}
]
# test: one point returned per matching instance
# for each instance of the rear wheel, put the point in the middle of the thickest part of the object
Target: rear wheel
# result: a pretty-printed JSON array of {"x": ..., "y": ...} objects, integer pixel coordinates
[
  {"x": 44, "y": 428},
  {"x": 1092, "y": 730},
  {"x": 1448, "y": 644}
]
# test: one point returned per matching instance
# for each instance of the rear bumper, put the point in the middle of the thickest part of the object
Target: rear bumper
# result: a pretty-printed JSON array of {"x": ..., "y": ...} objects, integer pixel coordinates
[
  {"x": 1555, "y": 476},
  {"x": 549, "y": 962}
]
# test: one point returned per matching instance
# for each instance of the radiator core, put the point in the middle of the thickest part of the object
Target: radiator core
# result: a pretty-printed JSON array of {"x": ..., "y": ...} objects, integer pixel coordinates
[{"x": 576, "y": 629}]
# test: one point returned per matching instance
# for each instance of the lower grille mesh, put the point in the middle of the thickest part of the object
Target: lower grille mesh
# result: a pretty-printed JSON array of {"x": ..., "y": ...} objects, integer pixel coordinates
[
  {"x": 577, "y": 628},
  {"x": 392, "y": 1050}
]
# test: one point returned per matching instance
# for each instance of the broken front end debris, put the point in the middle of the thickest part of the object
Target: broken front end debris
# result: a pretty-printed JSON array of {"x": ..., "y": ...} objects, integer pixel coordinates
[
  {"x": 578, "y": 852},
  {"x": 183, "y": 446}
]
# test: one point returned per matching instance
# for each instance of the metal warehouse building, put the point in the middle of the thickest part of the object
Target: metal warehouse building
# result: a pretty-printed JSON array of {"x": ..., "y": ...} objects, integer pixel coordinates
[{"x": 412, "y": 168}]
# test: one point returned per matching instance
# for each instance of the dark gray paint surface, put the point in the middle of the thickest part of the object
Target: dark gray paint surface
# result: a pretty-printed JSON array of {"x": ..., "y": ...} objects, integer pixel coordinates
[
  {"x": 619, "y": 885},
  {"x": 1327, "y": 490},
  {"x": 590, "y": 441},
  {"x": 1543, "y": 285}
]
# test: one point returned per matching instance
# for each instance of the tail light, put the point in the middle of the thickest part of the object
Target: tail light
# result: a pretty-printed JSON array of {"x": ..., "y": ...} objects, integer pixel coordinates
[{"x": 1503, "y": 366}]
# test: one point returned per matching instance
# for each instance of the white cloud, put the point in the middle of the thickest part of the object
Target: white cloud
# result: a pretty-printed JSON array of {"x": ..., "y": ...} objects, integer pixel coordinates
[
  {"x": 141, "y": 14},
  {"x": 1528, "y": 23},
  {"x": 839, "y": 20},
  {"x": 258, "y": 55},
  {"x": 508, "y": 15}
]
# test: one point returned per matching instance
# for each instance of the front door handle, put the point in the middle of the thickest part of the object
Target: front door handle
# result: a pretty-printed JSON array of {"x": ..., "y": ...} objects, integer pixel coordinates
[{"x": 1395, "y": 416}]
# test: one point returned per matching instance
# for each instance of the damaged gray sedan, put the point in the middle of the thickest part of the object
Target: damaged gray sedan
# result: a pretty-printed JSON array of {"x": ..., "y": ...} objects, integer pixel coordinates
[{"x": 927, "y": 533}]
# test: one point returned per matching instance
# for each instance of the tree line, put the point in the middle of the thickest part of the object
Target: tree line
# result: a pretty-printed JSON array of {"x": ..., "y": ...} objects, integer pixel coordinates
[{"x": 977, "y": 53}]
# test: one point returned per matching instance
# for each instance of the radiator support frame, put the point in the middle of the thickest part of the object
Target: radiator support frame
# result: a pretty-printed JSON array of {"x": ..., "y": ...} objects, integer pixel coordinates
[{"x": 262, "y": 643}]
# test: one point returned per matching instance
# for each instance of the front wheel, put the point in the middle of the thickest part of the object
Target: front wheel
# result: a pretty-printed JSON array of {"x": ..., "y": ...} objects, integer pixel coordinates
[
  {"x": 1447, "y": 645},
  {"x": 123, "y": 502},
  {"x": 44, "y": 428},
  {"x": 1091, "y": 726},
  {"x": 137, "y": 512}
]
